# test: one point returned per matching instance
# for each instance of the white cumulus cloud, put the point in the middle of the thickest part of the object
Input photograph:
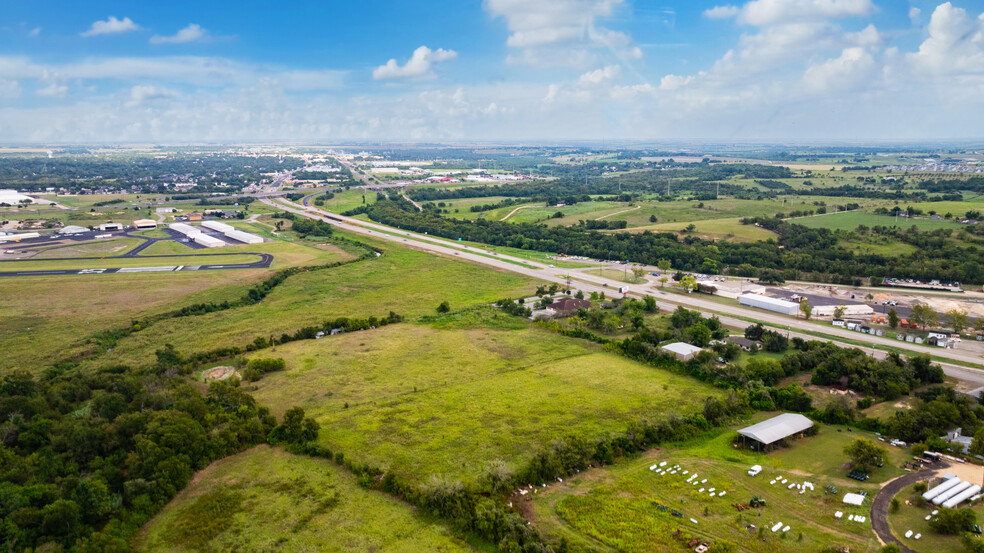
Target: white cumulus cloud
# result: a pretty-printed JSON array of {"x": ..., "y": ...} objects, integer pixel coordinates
[
  {"x": 851, "y": 69},
  {"x": 602, "y": 75},
  {"x": 112, "y": 26},
  {"x": 561, "y": 32},
  {"x": 192, "y": 33},
  {"x": 419, "y": 65},
  {"x": 955, "y": 43},
  {"x": 722, "y": 12},
  {"x": 143, "y": 94},
  {"x": 770, "y": 12}
]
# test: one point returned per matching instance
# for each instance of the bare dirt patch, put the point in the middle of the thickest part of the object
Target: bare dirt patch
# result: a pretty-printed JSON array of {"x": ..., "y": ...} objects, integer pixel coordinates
[{"x": 219, "y": 373}]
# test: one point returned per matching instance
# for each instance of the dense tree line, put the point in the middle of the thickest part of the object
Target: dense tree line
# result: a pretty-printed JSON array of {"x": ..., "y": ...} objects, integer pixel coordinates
[{"x": 87, "y": 458}]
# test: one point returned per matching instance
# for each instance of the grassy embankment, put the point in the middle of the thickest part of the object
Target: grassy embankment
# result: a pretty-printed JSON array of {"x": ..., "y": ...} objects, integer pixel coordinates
[{"x": 267, "y": 500}]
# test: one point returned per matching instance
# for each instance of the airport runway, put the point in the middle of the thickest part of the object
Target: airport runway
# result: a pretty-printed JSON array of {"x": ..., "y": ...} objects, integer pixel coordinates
[{"x": 264, "y": 262}]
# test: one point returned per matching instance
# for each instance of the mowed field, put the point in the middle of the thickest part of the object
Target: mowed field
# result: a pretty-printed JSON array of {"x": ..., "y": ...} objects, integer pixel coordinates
[
  {"x": 851, "y": 220},
  {"x": 612, "y": 509},
  {"x": 98, "y": 248},
  {"x": 63, "y": 312},
  {"x": 268, "y": 500},
  {"x": 404, "y": 281},
  {"x": 451, "y": 398},
  {"x": 348, "y": 199},
  {"x": 715, "y": 229}
]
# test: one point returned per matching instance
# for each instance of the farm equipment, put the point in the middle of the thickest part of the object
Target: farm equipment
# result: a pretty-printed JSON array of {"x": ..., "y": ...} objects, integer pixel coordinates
[
  {"x": 757, "y": 502},
  {"x": 858, "y": 475}
]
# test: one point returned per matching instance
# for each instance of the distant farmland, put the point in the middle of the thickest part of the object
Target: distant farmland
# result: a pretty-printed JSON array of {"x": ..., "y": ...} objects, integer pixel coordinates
[{"x": 851, "y": 220}]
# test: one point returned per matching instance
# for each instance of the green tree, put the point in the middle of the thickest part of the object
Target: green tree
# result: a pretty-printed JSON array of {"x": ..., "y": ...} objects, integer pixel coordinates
[
  {"x": 839, "y": 311},
  {"x": 953, "y": 521},
  {"x": 957, "y": 319},
  {"x": 864, "y": 454},
  {"x": 664, "y": 264},
  {"x": 893, "y": 318},
  {"x": 891, "y": 548},
  {"x": 699, "y": 335},
  {"x": 444, "y": 307},
  {"x": 296, "y": 428},
  {"x": 805, "y": 308},
  {"x": 923, "y": 315},
  {"x": 688, "y": 283},
  {"x": 971, "y": 543}
]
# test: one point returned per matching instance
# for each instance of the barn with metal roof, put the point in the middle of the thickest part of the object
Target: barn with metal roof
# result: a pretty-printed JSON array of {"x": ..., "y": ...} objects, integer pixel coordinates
[{"x": 778, "y": 428}]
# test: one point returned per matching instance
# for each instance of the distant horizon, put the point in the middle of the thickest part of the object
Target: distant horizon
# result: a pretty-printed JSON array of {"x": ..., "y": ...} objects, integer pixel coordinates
[{"x": 108, "y": 71}]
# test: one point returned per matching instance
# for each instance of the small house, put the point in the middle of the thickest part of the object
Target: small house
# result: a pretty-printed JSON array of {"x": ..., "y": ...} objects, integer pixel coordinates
[
  {"x": 839, "y": 322},
  {"x": 566, "y": 307},
  {"x": 744, "y": 343}
]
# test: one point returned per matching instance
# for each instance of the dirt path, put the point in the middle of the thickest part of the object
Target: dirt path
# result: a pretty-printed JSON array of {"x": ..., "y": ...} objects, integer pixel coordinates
[
  {"x": 618, "y": 213},
  {"x": 513, "y": 212},
  {"x": 883, "y": 500},
  {"x": 415, "y": 204}
]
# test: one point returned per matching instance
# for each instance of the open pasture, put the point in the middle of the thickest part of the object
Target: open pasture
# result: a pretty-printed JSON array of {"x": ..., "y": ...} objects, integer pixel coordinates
[
  {"x": 424, "y": 400},
  {"x": 612, "y": 509},
  {"x": 851, "y": 220},
  {"x": 404, "y": 281},
  {"x": 268, "y": 500}
]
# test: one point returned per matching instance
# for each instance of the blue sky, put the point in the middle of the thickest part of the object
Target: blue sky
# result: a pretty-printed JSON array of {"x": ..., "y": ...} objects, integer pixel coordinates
[{"x": 492, "y": 70}]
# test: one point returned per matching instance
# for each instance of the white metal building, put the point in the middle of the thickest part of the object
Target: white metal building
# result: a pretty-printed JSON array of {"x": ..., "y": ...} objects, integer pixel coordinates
[
  {"x": 217, "y": 226},
  {"x": 782, "y": 426},
  {"x": 110, "y": 226},
  {"x": 770, "y": 304},
  {"x": 682, "y": 350},
  {"x": 184, "y": 229},
  {"x": 244, "y": 237},
  {"x": 208, "y": 241},
  {"x": 853, "y": 309},
  {"x": 13, "y": 197}
]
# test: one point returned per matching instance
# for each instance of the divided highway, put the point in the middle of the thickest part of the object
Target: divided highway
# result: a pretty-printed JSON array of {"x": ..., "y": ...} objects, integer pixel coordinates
[{"x": 730, "y": 315}]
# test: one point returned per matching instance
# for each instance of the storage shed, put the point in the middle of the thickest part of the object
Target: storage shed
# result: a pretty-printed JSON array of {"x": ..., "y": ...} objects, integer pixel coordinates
[{"x": 682, "y": 350}]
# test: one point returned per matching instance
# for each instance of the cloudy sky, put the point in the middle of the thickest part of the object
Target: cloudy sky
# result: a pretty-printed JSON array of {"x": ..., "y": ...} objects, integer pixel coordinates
[{"x": 508, "y": 70}]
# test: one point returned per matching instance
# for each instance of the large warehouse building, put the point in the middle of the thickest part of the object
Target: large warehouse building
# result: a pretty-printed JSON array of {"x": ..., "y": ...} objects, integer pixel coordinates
[{"x": 770, "y": 304}]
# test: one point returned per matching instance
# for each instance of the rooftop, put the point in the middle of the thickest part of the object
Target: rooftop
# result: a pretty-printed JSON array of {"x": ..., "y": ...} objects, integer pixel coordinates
[
  {"x": 777, "y": 428},
  {"x": 682, "y": 348}
]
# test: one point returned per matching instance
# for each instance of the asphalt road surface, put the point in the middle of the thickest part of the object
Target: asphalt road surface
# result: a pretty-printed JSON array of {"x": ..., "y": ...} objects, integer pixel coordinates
[
  {"x": 729, "y": 314},
  {"x": 263, "y": 263}
]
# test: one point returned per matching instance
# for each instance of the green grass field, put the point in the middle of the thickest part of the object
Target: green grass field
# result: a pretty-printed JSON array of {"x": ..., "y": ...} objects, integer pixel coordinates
[
  {"x": 267, "y": 500},
  {"x": 405, "y": 281},
  {"x": 116, "y": 246},
  {"x": 426, "y": 400},
  {"x": 348, "y": 199},
  {"x": 611, "y": 509},
  {"x": 851, "y": 220},
  {"x": 201, "y": 257},
  {"x": 912, "y": 517},
  {"x": 716, "y": 229},
  {"x": 47, "y": 309}
]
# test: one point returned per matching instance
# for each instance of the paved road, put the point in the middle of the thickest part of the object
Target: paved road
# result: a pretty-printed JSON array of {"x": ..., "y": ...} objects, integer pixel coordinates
[
  {"x": 729, "y": 314},
  {"x": 264, "y": 262},
  {"x": 883, "y": 500}
]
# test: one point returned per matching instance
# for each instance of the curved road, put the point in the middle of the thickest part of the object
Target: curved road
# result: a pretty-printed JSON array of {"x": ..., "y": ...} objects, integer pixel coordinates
[
  {"x": 883, "y": 500},
  {"x": 729, "y": 314}
]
